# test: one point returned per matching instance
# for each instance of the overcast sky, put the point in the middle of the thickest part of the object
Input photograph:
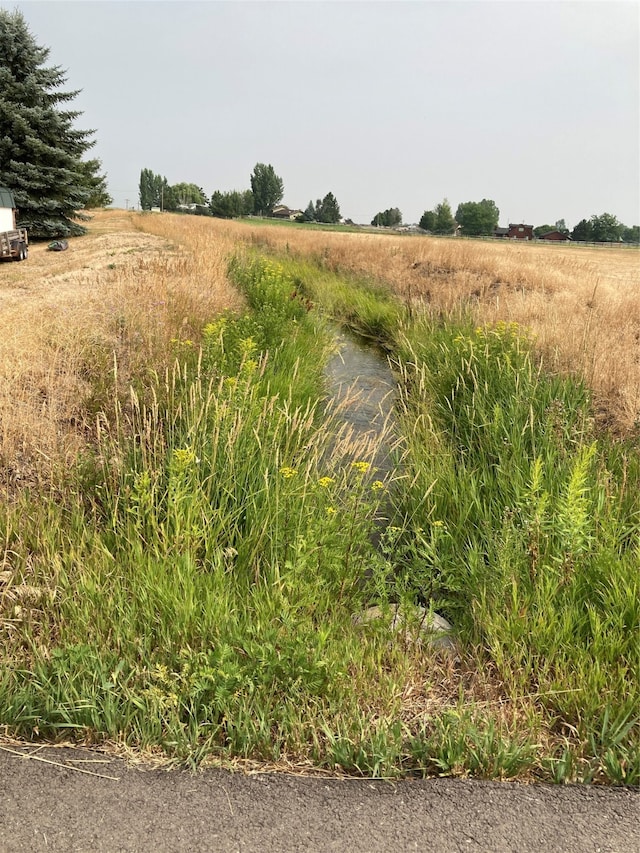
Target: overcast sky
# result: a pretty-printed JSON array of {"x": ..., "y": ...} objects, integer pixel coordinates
[{"x": 385, "y": 104}]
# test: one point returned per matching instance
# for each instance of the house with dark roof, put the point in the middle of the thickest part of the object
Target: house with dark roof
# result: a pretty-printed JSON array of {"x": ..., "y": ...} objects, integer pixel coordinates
[
  {"x": 520, "y": 231},
  {"x": 555, "y": 235}
]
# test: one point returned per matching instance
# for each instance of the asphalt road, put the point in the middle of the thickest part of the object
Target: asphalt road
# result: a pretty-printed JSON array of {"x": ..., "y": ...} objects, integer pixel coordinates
[{"x": 48, "y": 807}]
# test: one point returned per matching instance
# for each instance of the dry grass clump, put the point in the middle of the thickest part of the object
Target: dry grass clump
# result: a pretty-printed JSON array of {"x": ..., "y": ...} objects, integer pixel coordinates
[
  {"x": 137, "y": 285},
  {"x": 117, "y": 296},
  {"x": 581, "y": 304}
]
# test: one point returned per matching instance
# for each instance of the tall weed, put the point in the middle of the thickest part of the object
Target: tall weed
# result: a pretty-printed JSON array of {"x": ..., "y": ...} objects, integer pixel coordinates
[{"x": 517, "y": 528}]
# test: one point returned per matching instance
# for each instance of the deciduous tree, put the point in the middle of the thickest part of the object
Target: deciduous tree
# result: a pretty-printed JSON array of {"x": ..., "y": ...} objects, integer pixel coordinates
[
  {"x": 439, "y": 220},
  {"x": 388, "y": 218},
  {"x": 582, "y": 232},
  {"x": 228, "y": 205},
  {"x": 147, "y": 189},
  {"x": 478, "y": 218},
  {"x": 606, "y": 228},
  {"x": 599, "y": 229},
  {"x": 267, "y": 188},
  {"x": 155, "y": 191},
  {"x": 41, "y": 150},
  {"x": 189, "y": 194},
  {"x": 428, "y": 221}
]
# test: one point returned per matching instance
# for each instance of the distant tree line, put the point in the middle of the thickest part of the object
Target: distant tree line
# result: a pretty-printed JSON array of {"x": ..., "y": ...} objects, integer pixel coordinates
[
  {"x": 266, "y": 192},
  {"x": 155, "y": 191},
  {"x": 480, "y": 219},
  {"x": 472, "y": 218},
  {"x": 605, "y": 229}
]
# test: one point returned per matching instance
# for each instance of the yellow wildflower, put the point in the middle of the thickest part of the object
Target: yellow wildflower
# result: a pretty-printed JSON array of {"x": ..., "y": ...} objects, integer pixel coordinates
[
  {"x": 183, "y": 457},
  {"x": 288, "y": 472},
  {"x": 377, "y": 485},
  {"x": 325, "y": 482},
  {"x": 361, "y": 467}
]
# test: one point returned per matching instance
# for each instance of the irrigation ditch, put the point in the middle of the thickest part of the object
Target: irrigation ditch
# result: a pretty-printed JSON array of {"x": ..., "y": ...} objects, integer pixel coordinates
[
  {"x": 362, "y": 391},
  {"x": 193, "y": 592}
]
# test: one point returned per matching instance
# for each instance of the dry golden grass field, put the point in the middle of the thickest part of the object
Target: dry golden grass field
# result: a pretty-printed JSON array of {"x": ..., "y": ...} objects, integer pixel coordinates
[
  {"x": 135, "y": 283},
  {"x": 582, "y": 304}
]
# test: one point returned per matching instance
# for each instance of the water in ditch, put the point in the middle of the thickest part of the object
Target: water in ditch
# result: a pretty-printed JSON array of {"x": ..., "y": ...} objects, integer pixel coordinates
[{"x": 362, "y": 390}]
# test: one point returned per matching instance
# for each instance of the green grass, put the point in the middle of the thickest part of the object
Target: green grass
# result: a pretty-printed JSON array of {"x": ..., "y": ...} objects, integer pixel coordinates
[
  {"x": 307, "y": 226},
  {"x": 195, "y": 589},
  {"x": 528, "y": 534}
]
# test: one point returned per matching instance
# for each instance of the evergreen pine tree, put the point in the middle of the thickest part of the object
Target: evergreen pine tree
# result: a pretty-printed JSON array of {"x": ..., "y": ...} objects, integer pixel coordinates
[
  {"x": 444, "y": 221},
  {"x": 328, "y": 210},
  {"x": 40, "y": 149},
  {"x": 96, "y": 183}
]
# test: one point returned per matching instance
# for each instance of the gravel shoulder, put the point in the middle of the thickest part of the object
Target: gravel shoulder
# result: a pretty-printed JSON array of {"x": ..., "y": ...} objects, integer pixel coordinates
[{"x": 54, "y": 806}]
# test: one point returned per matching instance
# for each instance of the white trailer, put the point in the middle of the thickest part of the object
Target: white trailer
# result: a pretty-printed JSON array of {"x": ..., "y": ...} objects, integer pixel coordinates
[{"x": 14, "y": 241}]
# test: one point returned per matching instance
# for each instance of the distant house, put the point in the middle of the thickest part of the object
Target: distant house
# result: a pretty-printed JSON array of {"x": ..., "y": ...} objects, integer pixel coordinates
[
  {"x": 515, "y": 231},
  {"x": 556, "y": 236},
  {"x": 520, "y": 231},
  {"x": 281, "y": 211}
]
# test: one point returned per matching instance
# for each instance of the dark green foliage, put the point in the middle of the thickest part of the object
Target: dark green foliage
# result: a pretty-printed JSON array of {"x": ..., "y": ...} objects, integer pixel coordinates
[
  {"x": 582, "y": 231},
  {"x": 478, "y": 218},
  {"x": 40, "y": 149},
  {"x": 605, "y": 228},
  {"x": 96, "y": 183},
  {"x": 156, "y": 192},
  {"x": 267, "y": 188},
  {"x": 388, "y": 218},
  {"x": 439, "y": 220},
  {"x": 228, "y": 205},
  {"x": 428, "y": 221},
  {"x": 327, "y": 210},
  {"x": 444, "y": 223}
]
